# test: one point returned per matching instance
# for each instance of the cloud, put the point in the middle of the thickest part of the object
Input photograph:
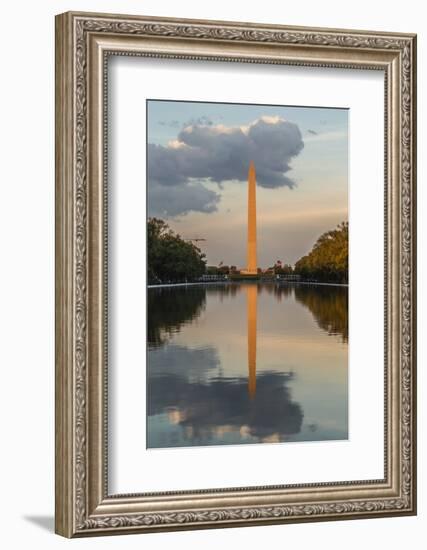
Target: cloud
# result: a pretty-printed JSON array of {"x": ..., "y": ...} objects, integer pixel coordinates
[
  {"x": 207, "y": 408},
  {"x": 170, "y": 123},
  {"x": 200, "y": 121},
  {"x": 178, "y": 200},
  {"x": 204, "y": 152}
]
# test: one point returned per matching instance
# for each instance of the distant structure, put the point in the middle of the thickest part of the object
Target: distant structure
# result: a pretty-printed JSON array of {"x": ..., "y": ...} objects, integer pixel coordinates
[{"x": 252, "y": 252}]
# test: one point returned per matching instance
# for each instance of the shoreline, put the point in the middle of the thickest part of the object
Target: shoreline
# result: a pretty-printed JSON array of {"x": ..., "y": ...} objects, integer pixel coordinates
[{"x": 293, "y": 283}]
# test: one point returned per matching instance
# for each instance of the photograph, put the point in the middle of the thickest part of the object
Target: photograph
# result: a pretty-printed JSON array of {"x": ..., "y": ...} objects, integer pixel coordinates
[{"x": 247, "y": 273}]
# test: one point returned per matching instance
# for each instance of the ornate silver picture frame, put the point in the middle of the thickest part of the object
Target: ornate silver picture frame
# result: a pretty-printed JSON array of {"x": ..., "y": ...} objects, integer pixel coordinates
[{"x": 84, "y": 42}]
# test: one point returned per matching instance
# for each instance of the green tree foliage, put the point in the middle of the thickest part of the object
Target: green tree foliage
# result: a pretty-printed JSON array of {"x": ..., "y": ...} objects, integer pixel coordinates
[
  {"x": 170, "y": 258},
  {"x": 328, "y": 259}
]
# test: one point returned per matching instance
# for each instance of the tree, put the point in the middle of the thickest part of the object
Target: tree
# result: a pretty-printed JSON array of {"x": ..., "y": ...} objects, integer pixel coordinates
[
  {"x": 282, "y": 269},
  {"x": 328, "y": 259},
  {"x": 169, "y": 257}
]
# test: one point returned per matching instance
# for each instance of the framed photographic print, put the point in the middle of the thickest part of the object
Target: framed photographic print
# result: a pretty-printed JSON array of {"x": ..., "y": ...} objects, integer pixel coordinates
[{"x": 235, "y": 274}]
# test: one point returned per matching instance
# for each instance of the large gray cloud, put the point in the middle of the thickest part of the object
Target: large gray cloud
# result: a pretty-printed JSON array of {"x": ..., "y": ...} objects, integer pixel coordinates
[
  {"x": 176, "y": 200},
  {"x": 216, "y": 153}
]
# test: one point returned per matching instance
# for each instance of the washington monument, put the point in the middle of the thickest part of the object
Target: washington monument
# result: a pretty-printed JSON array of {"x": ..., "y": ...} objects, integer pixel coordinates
[{"x": 252, "y": 257}]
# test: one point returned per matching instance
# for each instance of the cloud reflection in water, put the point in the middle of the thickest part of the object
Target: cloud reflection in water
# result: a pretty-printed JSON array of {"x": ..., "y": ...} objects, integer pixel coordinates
[
  {"x": 196, "y": 397},
  {"x": 207, "y": 411}
]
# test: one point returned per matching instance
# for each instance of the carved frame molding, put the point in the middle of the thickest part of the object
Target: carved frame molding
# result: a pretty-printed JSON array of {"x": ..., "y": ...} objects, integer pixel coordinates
[{"x": 83, "y": 43}]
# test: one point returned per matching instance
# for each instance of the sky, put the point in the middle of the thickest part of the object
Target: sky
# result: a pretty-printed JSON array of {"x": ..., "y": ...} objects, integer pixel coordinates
[{"x": 198, "y": 159}]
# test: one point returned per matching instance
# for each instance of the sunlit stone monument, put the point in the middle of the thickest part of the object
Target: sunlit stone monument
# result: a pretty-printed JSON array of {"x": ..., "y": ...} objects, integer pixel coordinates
[{"x": 251, "y": 269}]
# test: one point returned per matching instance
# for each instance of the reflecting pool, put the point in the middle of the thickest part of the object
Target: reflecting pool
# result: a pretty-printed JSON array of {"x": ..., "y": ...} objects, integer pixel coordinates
[{"x": 246, "y": 363}]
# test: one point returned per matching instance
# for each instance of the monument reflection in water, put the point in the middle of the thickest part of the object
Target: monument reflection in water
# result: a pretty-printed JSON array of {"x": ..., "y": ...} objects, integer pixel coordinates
[{"x": 246, "y": 363}]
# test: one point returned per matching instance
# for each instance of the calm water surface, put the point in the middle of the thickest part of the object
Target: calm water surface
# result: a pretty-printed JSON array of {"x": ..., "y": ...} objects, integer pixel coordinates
[{"x": 246, "y": 363}]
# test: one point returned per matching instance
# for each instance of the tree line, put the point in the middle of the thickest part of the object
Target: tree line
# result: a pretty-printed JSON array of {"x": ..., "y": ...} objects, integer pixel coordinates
[
  {"x": 170, "y": 258},
  {"x": 328, "y": 259}
]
